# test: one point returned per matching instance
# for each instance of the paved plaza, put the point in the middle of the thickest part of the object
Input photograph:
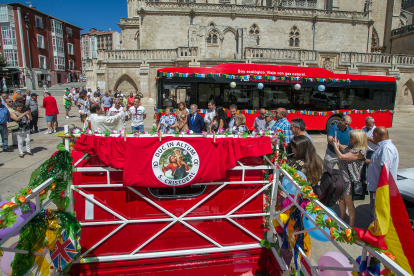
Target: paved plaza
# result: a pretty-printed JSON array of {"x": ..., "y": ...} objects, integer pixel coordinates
[{"x": 15, "y": 172}]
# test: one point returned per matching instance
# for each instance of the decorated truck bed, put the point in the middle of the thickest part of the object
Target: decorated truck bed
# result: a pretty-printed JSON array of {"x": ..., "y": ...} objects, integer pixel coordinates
[{"x": 145, "y": 204}]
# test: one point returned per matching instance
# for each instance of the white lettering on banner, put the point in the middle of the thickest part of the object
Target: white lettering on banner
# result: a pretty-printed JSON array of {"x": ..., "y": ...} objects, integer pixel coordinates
[
  {"x": 175, "y": 163},
  {"x": 270, "y": 73}
]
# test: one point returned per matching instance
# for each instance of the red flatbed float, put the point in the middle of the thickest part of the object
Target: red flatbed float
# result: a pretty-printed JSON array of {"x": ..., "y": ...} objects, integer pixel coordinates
[{"x": 202, "y": 229}]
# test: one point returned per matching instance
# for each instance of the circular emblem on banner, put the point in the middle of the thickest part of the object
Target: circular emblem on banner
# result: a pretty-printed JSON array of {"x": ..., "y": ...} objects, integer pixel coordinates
[{"x": 175, "y": 163}]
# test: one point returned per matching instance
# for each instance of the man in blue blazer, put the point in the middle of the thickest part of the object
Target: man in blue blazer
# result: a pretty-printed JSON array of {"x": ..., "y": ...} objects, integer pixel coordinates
[{"x": 194, "y": 120}]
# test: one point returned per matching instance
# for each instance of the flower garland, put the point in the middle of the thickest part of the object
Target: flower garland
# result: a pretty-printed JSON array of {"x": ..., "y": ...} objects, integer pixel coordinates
[
  {"x": 39, "y": 231},
  {"x": 338, "y": 234}
]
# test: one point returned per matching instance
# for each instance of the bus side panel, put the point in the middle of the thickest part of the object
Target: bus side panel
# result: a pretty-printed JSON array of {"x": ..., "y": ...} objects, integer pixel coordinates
[
  {"x": 312, "y": 122},
  {"x": 382, "y": 119},
  {"x": 250, "y": 119}
]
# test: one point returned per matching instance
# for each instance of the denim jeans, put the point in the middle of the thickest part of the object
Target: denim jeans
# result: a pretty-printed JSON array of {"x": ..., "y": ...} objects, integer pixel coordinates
[
  {"x": 4, "y": 133},
  {"x": 138, "y": 128},
  {"x": 365, "y": 167}
]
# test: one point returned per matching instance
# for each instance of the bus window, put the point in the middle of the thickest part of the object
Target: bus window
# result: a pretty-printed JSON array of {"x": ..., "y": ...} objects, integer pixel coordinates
[
  {"x": 359, "y": 98},
  {"x": 276, "y": 96},
  {"x": 302, "y": 99},
  {"x": 382, "y": 99},
  {"x": 245, "y": 97},
  {"x": 174, "y": 93}
]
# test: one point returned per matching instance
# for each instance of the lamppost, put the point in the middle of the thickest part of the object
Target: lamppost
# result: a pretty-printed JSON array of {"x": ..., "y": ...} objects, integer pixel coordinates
[{"x": 26, "y": 19}]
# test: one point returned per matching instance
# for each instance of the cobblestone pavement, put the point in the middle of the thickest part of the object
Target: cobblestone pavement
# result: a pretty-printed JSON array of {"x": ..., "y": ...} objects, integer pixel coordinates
[{"x": 15, "y": 172}]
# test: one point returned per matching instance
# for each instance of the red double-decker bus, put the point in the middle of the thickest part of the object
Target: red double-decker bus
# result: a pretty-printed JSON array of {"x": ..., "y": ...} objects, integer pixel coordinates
[{"x": 316, "y": 95}]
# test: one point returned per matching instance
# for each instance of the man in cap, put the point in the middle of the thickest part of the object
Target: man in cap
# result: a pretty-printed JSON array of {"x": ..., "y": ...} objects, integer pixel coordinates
[
  {"x": 67, "y": 102},
  {"x": 34, "y": 109},
  {"x": 270, "y": 123}
]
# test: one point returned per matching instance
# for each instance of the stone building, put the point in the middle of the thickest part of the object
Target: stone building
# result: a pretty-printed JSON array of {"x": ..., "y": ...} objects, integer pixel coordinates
[
  {"x": 340, "y": 35},
  {"x": 402, "y": 39},
  {"x": 95, "y": 40}
]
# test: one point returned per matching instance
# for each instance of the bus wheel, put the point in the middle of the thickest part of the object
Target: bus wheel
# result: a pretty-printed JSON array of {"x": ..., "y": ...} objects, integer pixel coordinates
[{"x": 332, "y": 121}]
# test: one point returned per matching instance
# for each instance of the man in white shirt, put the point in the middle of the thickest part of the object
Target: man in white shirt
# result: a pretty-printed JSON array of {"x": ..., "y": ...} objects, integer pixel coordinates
[
  {"x": 28, "y": 97},
  {"x": 369, "y": 130},
  {"x": 138, "y": 115},
  {"x": 95, "y": 122},
  {"x": 117, "y": 108},
  {"x": 384, "y": 154},
  {"x": 211, "y": 113}
]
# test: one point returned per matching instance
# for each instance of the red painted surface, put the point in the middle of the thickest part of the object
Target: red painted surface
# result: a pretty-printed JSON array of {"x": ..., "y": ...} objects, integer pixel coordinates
[
  {"x": 178, "y": 237},
  {"x": 227, "y": 263},
  {"x": 272, "y": 70}
]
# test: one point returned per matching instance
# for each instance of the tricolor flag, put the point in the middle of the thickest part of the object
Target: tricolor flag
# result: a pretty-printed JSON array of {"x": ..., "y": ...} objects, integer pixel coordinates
[{"x": 391, "y": 229}]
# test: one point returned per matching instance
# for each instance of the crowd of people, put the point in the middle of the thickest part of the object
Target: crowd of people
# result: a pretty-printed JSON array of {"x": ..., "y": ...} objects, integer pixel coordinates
[
  {"x": 359, "y": 154},
  {"x": 19, "y": 114}
]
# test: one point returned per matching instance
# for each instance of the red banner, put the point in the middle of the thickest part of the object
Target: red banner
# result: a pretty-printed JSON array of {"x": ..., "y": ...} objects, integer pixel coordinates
[{"x": 183, "y": 161}]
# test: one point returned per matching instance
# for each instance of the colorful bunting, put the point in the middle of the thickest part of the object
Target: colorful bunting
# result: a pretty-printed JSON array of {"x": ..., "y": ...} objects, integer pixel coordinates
[
  {"x": 255, "y": 77},
  {"x": 301, "y": 112}
]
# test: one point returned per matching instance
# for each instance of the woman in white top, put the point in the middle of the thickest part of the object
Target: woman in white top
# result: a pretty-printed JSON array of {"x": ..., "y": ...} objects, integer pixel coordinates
[
  {"x": 96, "y": 98},
  {"x": 83, "y": 102}
]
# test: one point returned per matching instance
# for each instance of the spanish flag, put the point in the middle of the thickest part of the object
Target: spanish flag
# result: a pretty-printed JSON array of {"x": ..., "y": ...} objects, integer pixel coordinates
[{"x": 391, "y": 229}]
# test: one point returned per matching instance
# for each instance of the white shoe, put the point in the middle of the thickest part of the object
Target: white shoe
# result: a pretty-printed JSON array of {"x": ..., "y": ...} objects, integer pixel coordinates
[
  {"x": 47, "y": 132},
  {"x": 54, "y": 131},
  {"x": 67, "y": 117}
]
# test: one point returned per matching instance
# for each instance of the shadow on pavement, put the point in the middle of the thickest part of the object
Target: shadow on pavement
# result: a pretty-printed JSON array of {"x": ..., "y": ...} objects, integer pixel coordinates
[
  {"x": 363, "y": 217},
  {"x": 38, "y": 149}
]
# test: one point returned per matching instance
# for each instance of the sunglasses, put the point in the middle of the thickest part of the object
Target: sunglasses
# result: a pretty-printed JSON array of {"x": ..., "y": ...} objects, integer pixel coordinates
[{"x": 262, "y": 114}]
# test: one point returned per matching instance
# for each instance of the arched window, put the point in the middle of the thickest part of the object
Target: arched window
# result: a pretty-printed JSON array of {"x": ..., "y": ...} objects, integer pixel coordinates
[
  {"x": 212, "y": 24},
  {"x": 254, "y": 30},
  {"x": 212, "y": 38},
  {"x": 294, "y": 40}
]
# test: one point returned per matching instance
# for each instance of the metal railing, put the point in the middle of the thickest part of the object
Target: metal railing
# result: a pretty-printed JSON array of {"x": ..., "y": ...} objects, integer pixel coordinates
[
  {"x": 274, "y": 215},
  {"x": 275, "y": 185},
  {"x": 35, "y": 195}
]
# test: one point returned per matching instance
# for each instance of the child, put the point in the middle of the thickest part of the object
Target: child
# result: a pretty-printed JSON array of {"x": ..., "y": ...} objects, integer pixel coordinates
[{"x": 180, "y": 158}]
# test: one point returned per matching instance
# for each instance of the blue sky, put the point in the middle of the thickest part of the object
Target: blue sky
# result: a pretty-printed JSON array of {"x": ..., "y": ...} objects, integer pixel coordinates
[{"x": 87, "y": 14}]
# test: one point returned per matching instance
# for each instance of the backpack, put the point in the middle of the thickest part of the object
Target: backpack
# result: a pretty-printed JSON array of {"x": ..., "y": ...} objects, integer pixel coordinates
[{"x": 330, "y": 188}]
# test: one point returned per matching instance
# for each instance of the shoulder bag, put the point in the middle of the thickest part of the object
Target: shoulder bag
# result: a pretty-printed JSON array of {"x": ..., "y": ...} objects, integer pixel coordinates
[
  {"x": 13, "y": 125},
  {"x": 358, "y": 192},
  {"x": 330, "y": 187}
]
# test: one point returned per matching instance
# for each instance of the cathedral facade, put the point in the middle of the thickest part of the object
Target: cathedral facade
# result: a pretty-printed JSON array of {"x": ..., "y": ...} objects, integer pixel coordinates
[{"x": 344, "y": 36}]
